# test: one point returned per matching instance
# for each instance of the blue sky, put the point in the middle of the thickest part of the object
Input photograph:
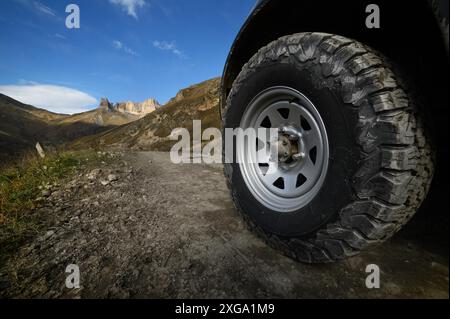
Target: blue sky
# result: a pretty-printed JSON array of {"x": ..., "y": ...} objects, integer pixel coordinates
[{"x": 124, "y": 49}]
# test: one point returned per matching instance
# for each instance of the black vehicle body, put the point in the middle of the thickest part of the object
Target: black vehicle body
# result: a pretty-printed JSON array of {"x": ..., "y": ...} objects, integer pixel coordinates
[{"x": 414, "y": 34}]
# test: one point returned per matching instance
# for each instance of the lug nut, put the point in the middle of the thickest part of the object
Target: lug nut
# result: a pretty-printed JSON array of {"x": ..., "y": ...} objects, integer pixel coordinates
[{"x": 298, "y": 156}]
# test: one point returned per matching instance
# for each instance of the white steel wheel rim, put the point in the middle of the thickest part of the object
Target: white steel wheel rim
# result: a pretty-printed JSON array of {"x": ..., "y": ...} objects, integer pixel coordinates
[{"x": 292, "y": 183}]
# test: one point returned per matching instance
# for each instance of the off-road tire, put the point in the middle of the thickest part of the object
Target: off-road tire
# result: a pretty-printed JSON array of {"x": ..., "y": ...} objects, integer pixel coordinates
[{"x": 388, "y": 159}]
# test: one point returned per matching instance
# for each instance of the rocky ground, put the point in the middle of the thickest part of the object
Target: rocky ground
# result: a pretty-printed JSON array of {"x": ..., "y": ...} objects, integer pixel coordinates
[{"x": 143, "y": 227}]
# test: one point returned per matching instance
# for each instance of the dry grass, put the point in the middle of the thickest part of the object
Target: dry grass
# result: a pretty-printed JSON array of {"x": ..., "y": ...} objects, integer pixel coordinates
[{"x": 21, "y": 188}]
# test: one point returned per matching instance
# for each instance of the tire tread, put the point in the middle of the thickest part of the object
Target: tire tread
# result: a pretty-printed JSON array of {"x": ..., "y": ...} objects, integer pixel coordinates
[{"x": 397, "y": 164}]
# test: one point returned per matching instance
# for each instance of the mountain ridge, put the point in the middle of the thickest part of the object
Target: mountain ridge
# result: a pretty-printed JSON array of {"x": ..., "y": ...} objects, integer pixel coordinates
[{"x": 152, "y": 132}]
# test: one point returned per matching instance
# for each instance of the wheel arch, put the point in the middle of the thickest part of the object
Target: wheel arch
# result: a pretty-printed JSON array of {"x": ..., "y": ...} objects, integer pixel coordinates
[{"x": 405, "y": 26}]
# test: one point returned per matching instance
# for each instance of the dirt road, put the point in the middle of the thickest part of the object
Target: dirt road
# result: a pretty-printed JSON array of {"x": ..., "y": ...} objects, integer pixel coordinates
[{"x": 158, "y": 230}]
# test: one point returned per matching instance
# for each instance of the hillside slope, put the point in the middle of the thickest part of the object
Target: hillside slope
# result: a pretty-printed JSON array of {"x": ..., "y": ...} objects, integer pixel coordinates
[
  {"x": 21, "y": 126},
  {"x": 198, "y": 102}
]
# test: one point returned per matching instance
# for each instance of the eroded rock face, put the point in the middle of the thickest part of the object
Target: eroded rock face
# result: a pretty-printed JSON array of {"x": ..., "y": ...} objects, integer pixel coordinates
[
  {"x": 146, "y": 107},
  {"x": 141, "y": 109},
  {"x": 150, "y": 103}
]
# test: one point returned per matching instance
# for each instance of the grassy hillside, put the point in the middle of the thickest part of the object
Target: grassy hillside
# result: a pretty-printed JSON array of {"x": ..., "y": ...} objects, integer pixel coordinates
[{"x": 198, "y": 102}]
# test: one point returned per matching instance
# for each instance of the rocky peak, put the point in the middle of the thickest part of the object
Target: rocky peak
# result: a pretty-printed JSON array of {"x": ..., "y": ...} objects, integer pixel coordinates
[
  {"x": 105, "y": 104},
  {"x": 140, "y": 109},
  {"x": 150, "y": 104}
]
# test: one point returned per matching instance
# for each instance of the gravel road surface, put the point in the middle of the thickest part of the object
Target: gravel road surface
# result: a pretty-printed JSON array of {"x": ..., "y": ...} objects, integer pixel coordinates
[{"x": 143, "y": 227}]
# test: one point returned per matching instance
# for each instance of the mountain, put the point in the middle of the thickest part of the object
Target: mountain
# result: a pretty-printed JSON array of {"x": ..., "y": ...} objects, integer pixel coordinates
[
  {"x": 137, "y": 125},
  {"x": 108, "y": 114},
  {"x": 105, "y": 117},
  {"x": 22, "y": 125},
  {"x": 198, "y": 102}
]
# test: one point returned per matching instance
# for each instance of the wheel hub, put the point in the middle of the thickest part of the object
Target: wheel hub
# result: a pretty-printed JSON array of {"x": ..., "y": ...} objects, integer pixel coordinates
[
  {"x": 284, "y": 149},
  {"x": 290, "y": 145}
]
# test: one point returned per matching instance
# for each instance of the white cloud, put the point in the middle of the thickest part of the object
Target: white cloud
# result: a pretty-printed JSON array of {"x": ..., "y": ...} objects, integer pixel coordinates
[
  {"x": 120, "y": 46},
  {"x": 168, "y": 46},
  {"x": 130, "y": 6},
  {"x": 54, "y": 98}
]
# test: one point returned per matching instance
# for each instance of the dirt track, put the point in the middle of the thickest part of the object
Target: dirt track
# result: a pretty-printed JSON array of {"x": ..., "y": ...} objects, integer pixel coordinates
[{"x": 164, "y": 230}]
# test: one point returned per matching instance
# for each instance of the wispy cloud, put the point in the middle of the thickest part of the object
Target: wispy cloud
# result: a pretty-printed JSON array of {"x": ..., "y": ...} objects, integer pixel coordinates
[
  {"x": 130, "y": 6},
  {"x": 59, "y": 36},
  {"x": 37, "y": 6},
  {"x": 169, "y": 46},
  {"x": 118, "y": 45},
  {"x": 59, "y": 99},
  {"x": 130, "y": 51},
  {"x": 163, "y": 8},
  {"x": 43, "y": 8}
]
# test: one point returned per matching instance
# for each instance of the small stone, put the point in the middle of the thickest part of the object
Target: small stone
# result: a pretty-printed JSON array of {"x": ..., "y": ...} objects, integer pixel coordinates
[
  {"x": 49, "y": 234},
  {"x": 104, "y": 183},
  {"x": 46, "y": 193},
  {"x": 112, "y": 178},
  {"x": 56, "y": 194},
  {"x": 93, "y": 174}
]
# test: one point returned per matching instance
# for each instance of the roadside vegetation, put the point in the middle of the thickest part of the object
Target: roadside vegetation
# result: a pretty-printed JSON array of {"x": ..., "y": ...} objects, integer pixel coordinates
[{"x": 24, "y": 187}]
